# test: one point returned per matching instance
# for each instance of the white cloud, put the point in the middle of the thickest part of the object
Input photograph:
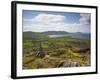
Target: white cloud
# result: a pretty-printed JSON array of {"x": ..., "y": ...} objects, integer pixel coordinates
[
  {"x": 51, "y": 22},
  {"x": 85, "y": 18},
  {"x": 49, "y": 18}
]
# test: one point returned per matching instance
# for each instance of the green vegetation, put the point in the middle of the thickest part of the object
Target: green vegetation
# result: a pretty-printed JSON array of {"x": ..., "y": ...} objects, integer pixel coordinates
[
  {"x": 41, "y": 51},
  {"x": 57, "y": 52}
]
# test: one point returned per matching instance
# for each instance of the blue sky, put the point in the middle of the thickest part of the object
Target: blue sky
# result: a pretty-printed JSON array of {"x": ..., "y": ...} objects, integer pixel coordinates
[{"x": 40, "y": 21}]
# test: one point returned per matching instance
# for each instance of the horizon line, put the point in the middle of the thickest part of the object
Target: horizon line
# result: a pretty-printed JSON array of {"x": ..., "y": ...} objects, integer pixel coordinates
[{"x": 57, "y": 31}]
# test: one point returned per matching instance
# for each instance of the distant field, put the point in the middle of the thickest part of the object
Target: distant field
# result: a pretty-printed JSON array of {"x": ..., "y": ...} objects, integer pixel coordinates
[{"x": 56, "y": 52}]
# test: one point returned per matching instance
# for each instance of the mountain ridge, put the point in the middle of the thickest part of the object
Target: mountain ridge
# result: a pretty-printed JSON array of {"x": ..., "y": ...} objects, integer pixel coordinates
[{"x": 30, "y": 34}]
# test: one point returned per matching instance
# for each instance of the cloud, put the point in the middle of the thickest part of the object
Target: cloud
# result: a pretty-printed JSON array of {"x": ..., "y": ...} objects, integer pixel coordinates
[
  {"x": 85, "y": 18},
  {"x": 52, "y": 22},
  {"x": 49, "y": 18}
]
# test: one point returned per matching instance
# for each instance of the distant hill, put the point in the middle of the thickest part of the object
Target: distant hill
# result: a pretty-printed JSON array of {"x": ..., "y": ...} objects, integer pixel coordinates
[
  {"x": 34, "y": 35},
  {"x": 80, "y": 35},
  {"x": 54, "y": 34}
]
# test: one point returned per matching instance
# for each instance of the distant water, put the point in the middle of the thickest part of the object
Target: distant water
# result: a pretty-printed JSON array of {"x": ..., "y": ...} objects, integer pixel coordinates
[{"x": 54, "y": 36}]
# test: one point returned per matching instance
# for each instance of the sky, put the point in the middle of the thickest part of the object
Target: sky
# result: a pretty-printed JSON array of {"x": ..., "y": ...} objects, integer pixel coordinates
[{"x": 40, "y": 21}]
